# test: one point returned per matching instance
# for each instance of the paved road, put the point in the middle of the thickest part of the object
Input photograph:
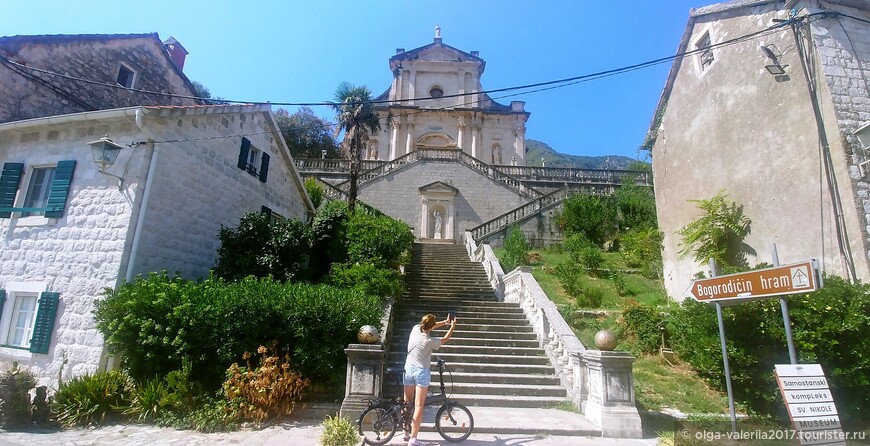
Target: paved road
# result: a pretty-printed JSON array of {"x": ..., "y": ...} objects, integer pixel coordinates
[{"x": 300, "y": 433}]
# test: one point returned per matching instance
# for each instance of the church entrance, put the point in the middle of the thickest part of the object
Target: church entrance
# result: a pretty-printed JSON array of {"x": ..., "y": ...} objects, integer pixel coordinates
[{"x": 437, "y": 212}]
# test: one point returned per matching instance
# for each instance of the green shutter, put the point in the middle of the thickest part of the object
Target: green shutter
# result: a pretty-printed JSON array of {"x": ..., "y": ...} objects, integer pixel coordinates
[
  {"x": 243, "y": 153},
  {"x": 59, "y": 191},
  {"x": 9, "y": 180},
  {"x": 44, "y": 326},
  {"x": 264, "y": 167},
  {"x": 2, "y": 301},
  {"x": 266, "y": 210}
]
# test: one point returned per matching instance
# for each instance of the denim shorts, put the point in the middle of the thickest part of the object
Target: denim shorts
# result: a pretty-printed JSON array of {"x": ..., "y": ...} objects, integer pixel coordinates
[{"x": 417, "y": 376}]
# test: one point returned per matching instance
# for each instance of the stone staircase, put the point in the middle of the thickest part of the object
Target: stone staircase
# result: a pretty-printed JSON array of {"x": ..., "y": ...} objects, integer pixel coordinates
[{"x": 493, "y": 356}]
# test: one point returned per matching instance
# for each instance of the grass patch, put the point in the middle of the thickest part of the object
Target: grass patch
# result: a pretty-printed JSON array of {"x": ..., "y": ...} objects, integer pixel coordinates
[{"x": 659, "y": 385}]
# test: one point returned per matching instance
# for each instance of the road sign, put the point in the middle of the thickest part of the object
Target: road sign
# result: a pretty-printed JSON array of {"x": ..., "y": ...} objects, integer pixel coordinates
[
  {"x": 800, "y": 277},
  {"x": 810, "y": 403}
]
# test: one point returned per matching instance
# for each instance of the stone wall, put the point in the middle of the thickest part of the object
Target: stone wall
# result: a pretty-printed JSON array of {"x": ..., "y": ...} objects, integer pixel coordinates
[
  {"x": 26, "y": 94},
  {"x": 196, "y": 188},
  {"x": 479, "y": 198},
  {"x": 842, "y": 45},
  {"x": 80, "y": 254}
]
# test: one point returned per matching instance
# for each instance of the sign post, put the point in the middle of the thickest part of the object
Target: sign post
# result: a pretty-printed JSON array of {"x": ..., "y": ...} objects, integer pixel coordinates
[
  {"x": 802, "y": 277},
  {"x": 810, "y": 404}
]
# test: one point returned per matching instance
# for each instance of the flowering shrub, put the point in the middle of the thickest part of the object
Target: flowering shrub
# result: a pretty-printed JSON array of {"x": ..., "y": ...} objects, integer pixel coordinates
[{"x": 266, "y": 391}]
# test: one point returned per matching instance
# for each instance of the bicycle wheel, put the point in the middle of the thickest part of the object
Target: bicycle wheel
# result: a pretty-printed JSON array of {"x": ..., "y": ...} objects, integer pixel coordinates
[
  {"x": 454, "y": 422},
  {"x": 377, "y": 426}
]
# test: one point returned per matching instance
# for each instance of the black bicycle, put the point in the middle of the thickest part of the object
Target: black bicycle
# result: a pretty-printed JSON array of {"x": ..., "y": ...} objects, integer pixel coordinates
[{"x": 379, "y": 421}]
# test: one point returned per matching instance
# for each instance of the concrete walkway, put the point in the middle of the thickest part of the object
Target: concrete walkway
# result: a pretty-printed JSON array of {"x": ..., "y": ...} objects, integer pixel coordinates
[{"x": 493, "y": 426}]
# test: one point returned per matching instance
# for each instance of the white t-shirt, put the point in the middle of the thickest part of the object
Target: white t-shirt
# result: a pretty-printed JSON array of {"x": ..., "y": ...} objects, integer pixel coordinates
[{"x": 420, "y": 346}]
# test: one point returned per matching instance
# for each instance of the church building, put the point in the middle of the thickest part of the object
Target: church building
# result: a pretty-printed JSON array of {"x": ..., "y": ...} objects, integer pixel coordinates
[{"x": 436, "y": 101}]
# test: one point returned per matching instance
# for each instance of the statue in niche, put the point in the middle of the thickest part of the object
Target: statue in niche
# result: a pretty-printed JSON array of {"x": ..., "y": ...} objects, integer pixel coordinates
[{"x": 437, "y": 224}]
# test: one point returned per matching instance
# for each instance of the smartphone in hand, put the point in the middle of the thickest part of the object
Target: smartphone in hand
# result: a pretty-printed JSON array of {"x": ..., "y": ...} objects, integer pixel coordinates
[{"x": 451, "y": 315}]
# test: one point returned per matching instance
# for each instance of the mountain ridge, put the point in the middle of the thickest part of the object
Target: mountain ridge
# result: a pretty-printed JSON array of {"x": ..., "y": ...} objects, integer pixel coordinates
[{"x": 536, "y": 150}]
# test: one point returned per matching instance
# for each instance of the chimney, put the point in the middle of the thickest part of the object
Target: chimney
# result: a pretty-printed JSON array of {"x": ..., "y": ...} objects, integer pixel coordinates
[
  {"x": 437, "y": 34},
  {"x": 475, "y": 53},
  {"x": 176, "y": 52}
]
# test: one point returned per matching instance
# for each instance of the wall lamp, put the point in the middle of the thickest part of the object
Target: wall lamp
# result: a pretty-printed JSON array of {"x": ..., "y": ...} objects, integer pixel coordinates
[
  {"x": 105, "y": 153},
  {"x": 772, "y": 52}
]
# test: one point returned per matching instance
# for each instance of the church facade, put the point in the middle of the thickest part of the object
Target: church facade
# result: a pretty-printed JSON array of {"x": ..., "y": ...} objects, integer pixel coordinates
[{"x": 436, "y": 101}]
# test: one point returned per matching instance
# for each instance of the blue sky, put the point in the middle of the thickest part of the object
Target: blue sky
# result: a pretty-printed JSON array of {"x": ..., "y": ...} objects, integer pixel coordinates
[{"x": 299, "y": 51}]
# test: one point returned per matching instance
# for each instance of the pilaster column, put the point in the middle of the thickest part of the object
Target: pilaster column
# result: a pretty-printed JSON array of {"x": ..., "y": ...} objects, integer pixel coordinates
[
  {"x": 412, "y": 88},
  {"x": 476, "y": 140},
  {"x": 394, "y": 138},
  {"x": 424, "y": 220},
  {"x": 461, "y": 126},
  {"x": 520, "y": 142},
  {"x": 409, "y": 141}
]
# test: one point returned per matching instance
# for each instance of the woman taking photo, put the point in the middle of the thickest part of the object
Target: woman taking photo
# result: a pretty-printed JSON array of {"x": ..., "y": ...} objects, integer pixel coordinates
[{"x": 417, "y": 372}]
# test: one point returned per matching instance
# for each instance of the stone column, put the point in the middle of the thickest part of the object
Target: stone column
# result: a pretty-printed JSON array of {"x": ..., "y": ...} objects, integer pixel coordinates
[
  {"x": 610, "y": 404},
  {"x": 394, "y": 138},
  {"x": 461, "y": 126},
  {"x": 520, "y": 142},
  {"x": 409, "y": 142},
  {"x": 365, "y": 375},
  {"x": 475, "y": 140},
  {"x": 424, "y": 218},
  {"x": 412, "y": 89}
]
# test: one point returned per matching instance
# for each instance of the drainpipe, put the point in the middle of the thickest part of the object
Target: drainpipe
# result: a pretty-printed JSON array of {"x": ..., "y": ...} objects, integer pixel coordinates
[
  {"x": 143, "y": 205},
  {"x": 830, "y": 176}
]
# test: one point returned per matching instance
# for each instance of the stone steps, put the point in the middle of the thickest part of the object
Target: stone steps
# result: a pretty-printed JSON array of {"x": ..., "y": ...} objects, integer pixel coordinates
[{"x": 494, "y": 357}]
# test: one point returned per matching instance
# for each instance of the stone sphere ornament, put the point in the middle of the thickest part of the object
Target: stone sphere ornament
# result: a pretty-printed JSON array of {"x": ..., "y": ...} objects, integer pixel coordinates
[
  {"x": 368, "y": 334},
  {"x": 605, "y": 340}
]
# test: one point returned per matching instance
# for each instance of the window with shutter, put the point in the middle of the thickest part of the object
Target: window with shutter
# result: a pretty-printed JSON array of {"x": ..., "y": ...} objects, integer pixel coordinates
[
  {"x": 264, "y": 167},
  {"x": 9, "y": 180},
  {"x": 243, "y": 153},
  {"x": 60, "y": 188},
  {"x": 43, "y": 326}
]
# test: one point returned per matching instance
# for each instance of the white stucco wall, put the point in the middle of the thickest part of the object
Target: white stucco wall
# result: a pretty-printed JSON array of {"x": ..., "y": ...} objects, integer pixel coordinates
[{"x": 735, "y": 127}]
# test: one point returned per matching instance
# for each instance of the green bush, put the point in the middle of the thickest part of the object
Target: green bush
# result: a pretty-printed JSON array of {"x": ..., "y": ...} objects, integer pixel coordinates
[
  {"x": 367, "y": 278},
  {"x": 15, "y": 384},
  {"x": 619, "y": 283},
  {"x": 516, "y": 249},
  {"x": 328, "y": 234},
  {"x": 641, "y": 326},
  {"x": 149, "y": 399},
  {"x": 577, "y": 286},
  {"x": 379, "y": 239},
  {"x": 159, "y": 323},
  {"x": 339, "y": 431},
  {"x": 718, "y": 233},
  {"x": 584, "y": 253},
  {"x": 636, "y": 205},
  {"x": 642, "y": 248},
  {"x": 591, "y": 215},
  {"x": 830, "y": 327},
  {"x": 315, "y": 191},
  {"x": 260, "y": 247},
  {"x": 93, "y": 400}
]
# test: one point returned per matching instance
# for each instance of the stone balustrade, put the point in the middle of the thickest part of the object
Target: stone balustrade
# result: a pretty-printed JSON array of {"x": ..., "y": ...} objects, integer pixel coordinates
[{"x": 599, "y": 383}]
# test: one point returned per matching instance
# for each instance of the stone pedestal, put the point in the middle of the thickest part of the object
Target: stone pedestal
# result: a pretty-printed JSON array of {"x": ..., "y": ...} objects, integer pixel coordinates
[
  {"x": 610, "y": 404},
  {"x": 365, "y": 375}
]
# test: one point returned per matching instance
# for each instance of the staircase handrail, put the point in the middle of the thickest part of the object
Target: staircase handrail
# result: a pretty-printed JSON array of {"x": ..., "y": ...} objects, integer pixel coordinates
[
  {"x": 576, "y": 175},
  {"x": 483, "y": 253},
  {"x": 558, "y": 339},
  {"x": 521, "y": 213},
  {"x": 335, "y": 194},
  {"x": 340, "y": 165},
  {"x": 554, "y": 334},
  {"x": 428, "y": 153}
]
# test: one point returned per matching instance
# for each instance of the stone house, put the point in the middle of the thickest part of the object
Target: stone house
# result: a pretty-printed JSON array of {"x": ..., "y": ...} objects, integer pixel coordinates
[
  {"x": 73, "y": 223},
  {"x": 432, "y": 106},
  {"x": 61, "y": 74},
  {"x": 767, "y": 103}
]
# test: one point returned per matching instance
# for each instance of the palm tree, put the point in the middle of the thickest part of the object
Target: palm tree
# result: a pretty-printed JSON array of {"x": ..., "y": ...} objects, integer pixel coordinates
[{"x": 356, "y": 117}]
